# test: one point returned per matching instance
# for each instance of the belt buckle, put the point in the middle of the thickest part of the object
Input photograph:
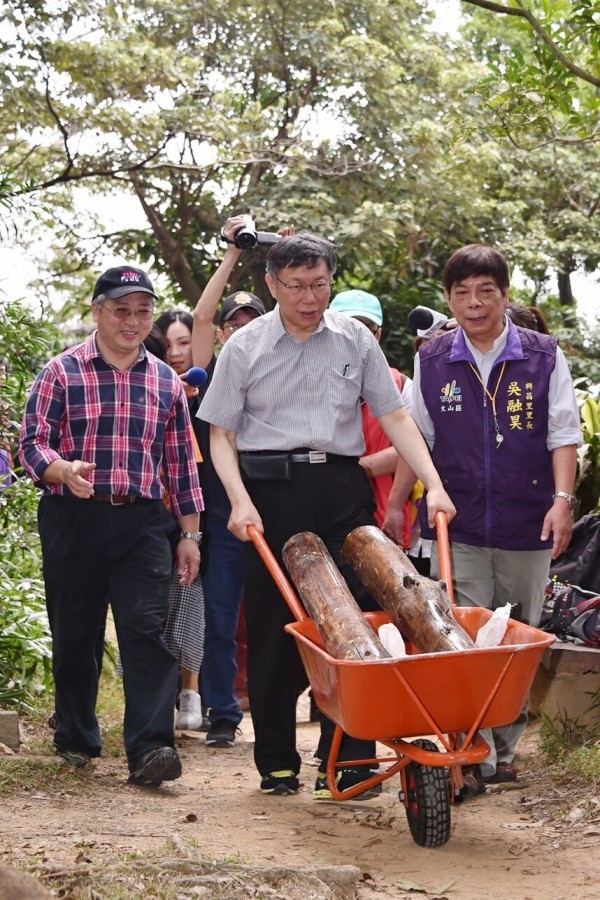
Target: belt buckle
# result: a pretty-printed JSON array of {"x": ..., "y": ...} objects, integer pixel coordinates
[
  {"x": 119, "y": 502},
  {"x": 317, "y": 456}
]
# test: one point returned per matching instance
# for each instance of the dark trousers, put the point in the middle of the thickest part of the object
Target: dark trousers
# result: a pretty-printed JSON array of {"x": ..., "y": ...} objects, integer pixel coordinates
[
  {"x": 329, "y": 499},
  {"x": 222, "y": 579},
  {"x": 96, "y": 555}
]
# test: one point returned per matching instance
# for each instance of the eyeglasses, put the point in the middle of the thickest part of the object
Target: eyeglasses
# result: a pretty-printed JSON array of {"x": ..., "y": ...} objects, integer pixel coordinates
[
  {"x": 296, "y": 290},
  {"x": 122, "y": 312},
  {"x": 233, "y": 326}
]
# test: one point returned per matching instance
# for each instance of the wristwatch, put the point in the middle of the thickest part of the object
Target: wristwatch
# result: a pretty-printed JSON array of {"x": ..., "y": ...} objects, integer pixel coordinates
[
  {"x": 192, "y": 536},
  {"x": 570, "y": 498}
]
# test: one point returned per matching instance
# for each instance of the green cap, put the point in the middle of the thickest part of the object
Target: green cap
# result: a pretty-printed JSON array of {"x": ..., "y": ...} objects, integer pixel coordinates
[{"x": 358, "y": 303}]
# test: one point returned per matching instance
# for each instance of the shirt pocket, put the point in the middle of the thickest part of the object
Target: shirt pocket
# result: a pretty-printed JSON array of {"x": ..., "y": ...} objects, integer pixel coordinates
[{"x": 344, "y": 386}]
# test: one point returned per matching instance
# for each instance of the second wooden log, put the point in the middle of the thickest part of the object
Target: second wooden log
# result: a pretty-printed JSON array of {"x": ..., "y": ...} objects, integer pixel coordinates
[
  {"x": 418, "y": 606},
  {"x": 337, "y": 616}
]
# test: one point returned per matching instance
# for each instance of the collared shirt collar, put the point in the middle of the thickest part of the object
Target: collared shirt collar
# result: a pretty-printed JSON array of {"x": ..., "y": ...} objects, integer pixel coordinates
[
  {"x": 278, "y": 329},
  {"x": 506, "y": 346},
  {"x": 91, "y": 350}
]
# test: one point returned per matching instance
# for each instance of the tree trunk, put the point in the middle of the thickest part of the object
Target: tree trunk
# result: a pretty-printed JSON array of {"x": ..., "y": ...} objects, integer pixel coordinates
[
  {"x": 327, "y": 598},
  {"x": 419, "y": 607},
  {"x": 565, "y": 291}
]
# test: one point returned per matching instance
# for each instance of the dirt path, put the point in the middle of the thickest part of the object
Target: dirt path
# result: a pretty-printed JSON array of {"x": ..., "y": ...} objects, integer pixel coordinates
[{"x": 508, "y": 844}]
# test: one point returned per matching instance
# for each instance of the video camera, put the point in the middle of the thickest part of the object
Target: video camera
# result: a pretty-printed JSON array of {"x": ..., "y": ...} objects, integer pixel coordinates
[{"x": 247, "y": 237}]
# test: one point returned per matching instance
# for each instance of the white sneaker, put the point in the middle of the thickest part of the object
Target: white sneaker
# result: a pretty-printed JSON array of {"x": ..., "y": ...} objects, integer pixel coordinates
[{"x": 189, "y": 717}]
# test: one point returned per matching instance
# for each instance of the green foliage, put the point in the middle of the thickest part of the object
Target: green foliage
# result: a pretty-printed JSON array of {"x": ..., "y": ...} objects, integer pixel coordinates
[
  {"x": 350, "y": 119},
  {"x": 587, "y": 487},
  {"x": 563, "y": 733},
  {"x": 24, "y": 636},
  {"x": 574, "y": 743},
  {"x": 543, "y": 66}
]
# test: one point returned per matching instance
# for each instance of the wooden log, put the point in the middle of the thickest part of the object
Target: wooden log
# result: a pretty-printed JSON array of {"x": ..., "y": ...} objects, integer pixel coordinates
[
  {"x": 419, "y": 607},
  {"x": 338, "y": 618}
]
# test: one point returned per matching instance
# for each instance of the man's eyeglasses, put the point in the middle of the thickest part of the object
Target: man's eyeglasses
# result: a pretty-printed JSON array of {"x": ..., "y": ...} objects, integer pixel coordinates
[
  {"x": 122, "y": 312},
  {"x": 317, "y": 287}
]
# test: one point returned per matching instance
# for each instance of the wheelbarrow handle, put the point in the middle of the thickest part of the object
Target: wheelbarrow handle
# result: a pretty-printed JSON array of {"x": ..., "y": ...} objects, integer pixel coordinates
[
  {"x": 443, "y": 542},
  {"x": 277, "y": 573}
]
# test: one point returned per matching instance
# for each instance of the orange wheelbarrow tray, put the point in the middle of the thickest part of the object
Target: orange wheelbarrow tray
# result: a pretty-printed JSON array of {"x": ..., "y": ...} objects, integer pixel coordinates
[
  {"x": 425, "y": 693},
  {"x": 449, "y": 695}
]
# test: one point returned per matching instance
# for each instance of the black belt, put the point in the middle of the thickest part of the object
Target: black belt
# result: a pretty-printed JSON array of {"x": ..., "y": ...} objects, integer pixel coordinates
[
  {"x": 303, "y": 456},
  {"x": 118, "y": 499}
]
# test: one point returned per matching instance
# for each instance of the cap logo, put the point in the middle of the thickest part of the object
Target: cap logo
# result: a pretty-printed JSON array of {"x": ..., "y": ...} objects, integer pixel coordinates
[
  {"x": 242, "y": 299},
  {"x": 129, "y": 277}
]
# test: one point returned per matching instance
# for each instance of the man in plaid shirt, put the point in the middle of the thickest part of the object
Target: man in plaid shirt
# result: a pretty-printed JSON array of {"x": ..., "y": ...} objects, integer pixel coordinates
[{"x": 106, "y": 422}]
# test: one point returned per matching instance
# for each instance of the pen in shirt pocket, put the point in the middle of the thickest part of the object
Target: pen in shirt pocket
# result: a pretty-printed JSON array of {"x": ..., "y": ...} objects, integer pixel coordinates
[{"x": 345, "y": 369}]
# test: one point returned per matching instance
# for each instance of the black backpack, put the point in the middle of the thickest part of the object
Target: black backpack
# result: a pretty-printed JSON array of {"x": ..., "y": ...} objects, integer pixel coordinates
[
  {"x": 571, "y": 613},
  {"x": 580, "y": 563}
]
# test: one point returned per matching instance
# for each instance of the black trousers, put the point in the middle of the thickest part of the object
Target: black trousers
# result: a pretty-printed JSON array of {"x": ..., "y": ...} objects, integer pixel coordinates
[
  {"x": 330, "y": 500},
  {"x": 96, "y": 555}
]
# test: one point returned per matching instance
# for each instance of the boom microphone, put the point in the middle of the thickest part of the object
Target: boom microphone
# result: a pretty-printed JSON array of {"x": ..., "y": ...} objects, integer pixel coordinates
[
  {"x": 424, "y": 321},
  {"x": 195, "y": 376}
]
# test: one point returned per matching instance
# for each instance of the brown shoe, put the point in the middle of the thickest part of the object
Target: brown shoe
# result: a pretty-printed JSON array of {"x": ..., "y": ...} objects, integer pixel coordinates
[
  {"x": 504, "y": 773},
  {"x": 473, "y": 783}
]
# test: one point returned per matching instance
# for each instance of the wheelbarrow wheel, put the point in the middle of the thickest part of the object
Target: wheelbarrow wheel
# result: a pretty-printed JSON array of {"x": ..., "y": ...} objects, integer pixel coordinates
[{"x": 428, "y": 801}]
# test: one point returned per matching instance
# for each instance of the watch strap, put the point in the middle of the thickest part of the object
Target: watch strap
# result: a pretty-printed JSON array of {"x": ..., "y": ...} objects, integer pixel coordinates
[
  {"x": 192, "y": 536},
  {"x": 570, "y": 498}
]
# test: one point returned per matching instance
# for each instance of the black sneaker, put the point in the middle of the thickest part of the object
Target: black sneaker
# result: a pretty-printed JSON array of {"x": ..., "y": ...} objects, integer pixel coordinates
[
  {"x": 346, "y": 778},
  {"x": 221, "y": 734},
  {"x": 280, "y": 783},
  {"x": 75, "y": 758},
  {"x": 155, "y": 766},
  {"x": 205, "y": 720}
]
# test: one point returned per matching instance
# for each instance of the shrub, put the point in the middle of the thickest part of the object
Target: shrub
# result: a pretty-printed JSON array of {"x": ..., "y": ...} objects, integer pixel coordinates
[{"x": 24, "y": 634}]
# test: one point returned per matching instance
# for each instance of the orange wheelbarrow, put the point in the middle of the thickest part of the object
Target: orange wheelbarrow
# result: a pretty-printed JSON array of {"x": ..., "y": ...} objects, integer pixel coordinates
[{"x": 448, "y": 696}]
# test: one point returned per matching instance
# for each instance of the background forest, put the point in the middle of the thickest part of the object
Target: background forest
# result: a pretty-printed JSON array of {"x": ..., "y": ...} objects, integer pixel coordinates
[{"x": 355, "y": 119}]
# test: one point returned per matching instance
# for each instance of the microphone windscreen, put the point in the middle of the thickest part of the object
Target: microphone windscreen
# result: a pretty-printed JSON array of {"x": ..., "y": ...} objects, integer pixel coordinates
[
  {"x": 196, "y": 376},
  {"x": 420, "y": 317},
  {"x": 424, "y": 321}
]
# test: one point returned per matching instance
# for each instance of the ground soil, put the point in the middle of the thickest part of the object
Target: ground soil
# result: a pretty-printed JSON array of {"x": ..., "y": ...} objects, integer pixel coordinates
[{"x": 534, "y": 840}]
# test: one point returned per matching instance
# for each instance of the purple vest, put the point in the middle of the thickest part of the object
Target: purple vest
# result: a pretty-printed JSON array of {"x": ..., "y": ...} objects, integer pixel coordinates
[{"x": 501, "y": 491}]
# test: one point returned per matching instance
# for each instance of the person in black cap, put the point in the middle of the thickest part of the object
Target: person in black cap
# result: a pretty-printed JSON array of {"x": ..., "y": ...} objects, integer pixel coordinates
[
  {"x": 222, "y": 557},
  {"x": 105, "y": 423},
  {"x": 238, "y": 303}
]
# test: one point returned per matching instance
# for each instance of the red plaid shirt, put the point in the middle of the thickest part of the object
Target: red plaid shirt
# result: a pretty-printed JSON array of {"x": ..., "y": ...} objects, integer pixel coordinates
[{"x": 135, "y": 425}]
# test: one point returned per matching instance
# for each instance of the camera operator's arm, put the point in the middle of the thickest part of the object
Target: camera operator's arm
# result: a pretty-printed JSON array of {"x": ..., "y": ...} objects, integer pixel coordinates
[{"x": 203, "y": 332}]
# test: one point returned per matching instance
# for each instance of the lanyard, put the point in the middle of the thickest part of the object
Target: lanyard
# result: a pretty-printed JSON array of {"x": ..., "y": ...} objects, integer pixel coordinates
[{"x": 492, "y": 397}]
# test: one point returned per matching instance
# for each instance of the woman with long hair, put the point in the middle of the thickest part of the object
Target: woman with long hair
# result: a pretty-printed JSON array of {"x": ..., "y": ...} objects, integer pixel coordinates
[{"x": 184, "y": 626}]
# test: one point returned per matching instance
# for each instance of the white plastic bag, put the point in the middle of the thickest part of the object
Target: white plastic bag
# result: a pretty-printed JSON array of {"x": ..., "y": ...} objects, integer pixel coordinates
[
  {"x": 490, "y": 634},
  {"x": 392, "y": 640}
]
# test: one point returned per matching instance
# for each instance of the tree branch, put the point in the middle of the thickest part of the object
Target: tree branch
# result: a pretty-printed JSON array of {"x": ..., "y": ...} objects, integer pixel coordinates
[
  {"x": 524, "y": 13},
  {"x": 171, "y": 250}
]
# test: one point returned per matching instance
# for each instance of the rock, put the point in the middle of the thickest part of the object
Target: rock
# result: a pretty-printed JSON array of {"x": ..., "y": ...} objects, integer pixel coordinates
[
  {"x": 9, "y": 729},
  {"x": 18, "y": 885}
]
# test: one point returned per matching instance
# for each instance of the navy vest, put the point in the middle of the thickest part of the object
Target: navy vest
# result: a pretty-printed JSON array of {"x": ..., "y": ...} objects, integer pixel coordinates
[{"x": 501, "y": 491}]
